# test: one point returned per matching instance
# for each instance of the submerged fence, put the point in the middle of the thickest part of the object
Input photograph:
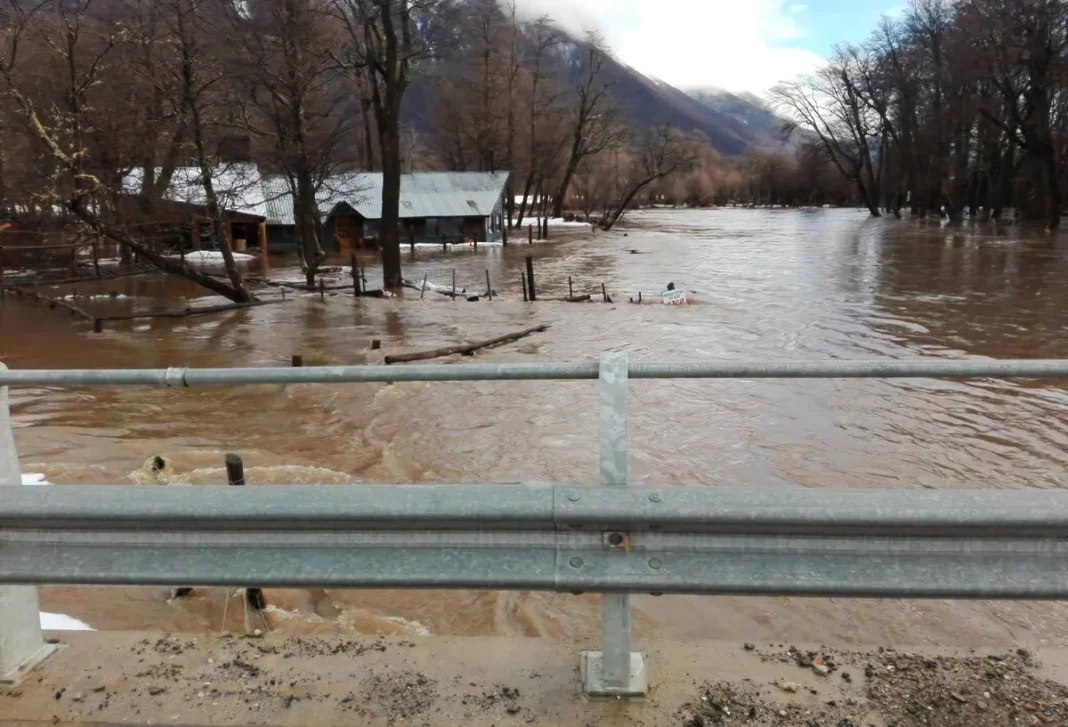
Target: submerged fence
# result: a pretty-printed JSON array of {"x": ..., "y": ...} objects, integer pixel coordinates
[{"x": 612, "y": 539}]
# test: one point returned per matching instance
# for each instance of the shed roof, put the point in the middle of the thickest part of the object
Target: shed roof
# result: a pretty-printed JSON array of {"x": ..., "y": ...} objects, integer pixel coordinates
[
  {"x": 242, "y": 187},
  {"x": 423, "y": 194}
]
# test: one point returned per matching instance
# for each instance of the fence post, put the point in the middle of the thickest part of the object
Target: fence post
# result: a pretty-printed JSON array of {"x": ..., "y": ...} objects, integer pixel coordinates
[
  {"x": 614, "y": 670},
  {"x": 235, "y": 476},
  {"x": 22, "y": 645},
  {"x": 531, "y": 292}
]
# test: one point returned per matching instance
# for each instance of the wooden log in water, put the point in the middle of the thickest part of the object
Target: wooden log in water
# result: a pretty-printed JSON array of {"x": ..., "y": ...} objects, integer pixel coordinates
[
  {"x": 297, "y": 361},
  {"x": 466, "y": 349},
  {"x": 578, "y": 298},
  {"x": 55, "y": 303}
]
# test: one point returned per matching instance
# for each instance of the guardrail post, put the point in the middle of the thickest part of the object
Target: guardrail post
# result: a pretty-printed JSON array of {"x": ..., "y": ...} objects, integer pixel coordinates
[
  {"x": 21, "y": 643},
  {"x": 615, "y": 670}
]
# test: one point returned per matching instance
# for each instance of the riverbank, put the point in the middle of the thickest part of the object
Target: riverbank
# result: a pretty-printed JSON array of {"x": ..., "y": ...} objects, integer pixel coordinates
[{"x": 198, "y": 679}]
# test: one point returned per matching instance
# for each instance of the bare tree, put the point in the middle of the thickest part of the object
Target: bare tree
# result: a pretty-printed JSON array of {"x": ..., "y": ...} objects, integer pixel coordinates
[
  {"x": 386, "y": 38},
  {"x": 595, "y": 124},
  {"x": 290, "y": 97},
  {"x": 541, "y": 105},
  {"x": 831, "y": 105},
  {"x": 83, "y": 46},
  {"x": 198, "y": 73}
]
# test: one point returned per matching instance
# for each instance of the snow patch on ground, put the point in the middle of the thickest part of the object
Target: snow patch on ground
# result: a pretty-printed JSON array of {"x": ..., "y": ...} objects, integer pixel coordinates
[
  {"x": 34, "y": 478},
  {"x": 455, "y": 245},
  {"x": 102, "y": 296},
  {"x": 62, "y": 622},
  {"x": 210, "y": 256},
  {"x": 561, "y": 222}
]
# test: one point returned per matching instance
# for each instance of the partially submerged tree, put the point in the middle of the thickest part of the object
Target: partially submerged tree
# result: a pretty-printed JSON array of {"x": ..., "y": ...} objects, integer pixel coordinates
[{"x": 657, "y": 153}]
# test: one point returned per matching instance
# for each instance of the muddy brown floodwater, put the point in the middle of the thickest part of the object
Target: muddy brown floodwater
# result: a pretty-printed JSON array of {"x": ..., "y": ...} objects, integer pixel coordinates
[{"x": 768, "y": 285}]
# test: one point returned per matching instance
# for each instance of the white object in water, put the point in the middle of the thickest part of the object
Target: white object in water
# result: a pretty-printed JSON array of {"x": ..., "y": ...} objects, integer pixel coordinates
[{"x": 674, "y": 297}]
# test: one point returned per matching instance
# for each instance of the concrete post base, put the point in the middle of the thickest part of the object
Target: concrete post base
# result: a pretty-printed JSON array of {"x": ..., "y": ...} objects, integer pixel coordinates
[
  {"x": 593, "y": 680},
  {"x": 21, "y": 644}
]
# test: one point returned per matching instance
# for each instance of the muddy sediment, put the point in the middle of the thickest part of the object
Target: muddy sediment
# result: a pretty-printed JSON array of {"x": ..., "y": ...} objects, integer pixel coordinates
[{"x": 101, "y": 678}]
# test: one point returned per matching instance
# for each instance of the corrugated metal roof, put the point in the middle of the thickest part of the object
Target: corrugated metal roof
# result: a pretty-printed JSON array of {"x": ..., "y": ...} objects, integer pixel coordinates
[
  {"x": 238, "y": 187},
  {"x": 242, "y": 187},
  {"x": 423, "y": 194}
]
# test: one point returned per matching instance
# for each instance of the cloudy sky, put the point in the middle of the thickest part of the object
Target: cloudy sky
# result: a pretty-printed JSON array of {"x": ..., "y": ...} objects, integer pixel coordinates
[{"x": 739, "y": 45}]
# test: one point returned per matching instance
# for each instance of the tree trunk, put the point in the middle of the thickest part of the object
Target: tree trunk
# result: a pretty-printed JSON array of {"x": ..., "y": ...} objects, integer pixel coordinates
[
  {"x": 130, "y": 245},
  {"x": 389, "y": 234},
  {"x": 306, "y": 214},
  {"x": 523, "y": 202},
  {"x": 569, "y": 173},
  {"x": 871, "y": 204},
  {"x": 616, "y": 213},
  {"x": 369, "y": 149},
  {"x": 1053, "y": 187}
]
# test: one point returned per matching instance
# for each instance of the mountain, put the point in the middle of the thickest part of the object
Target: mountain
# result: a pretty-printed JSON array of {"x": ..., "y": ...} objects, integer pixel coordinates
[{"x": 731, "y": 122}]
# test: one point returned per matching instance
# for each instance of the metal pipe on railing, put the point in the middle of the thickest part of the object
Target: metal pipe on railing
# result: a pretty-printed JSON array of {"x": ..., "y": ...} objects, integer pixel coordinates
[
  {"x": 183, "y": 377},
  {"x": 913, "y": 369}
]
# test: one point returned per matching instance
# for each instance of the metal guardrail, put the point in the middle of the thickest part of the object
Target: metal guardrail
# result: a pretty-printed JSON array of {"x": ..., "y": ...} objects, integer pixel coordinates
[{"x": 613, "y": 539}]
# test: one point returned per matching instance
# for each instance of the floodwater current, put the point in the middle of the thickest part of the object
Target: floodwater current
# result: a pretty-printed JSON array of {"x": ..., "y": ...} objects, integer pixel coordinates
[{"x": 766, "y": 285}]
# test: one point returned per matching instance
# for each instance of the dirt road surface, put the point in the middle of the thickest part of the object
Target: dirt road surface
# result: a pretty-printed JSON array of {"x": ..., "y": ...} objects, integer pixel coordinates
[{"x": 101, "y": 678}]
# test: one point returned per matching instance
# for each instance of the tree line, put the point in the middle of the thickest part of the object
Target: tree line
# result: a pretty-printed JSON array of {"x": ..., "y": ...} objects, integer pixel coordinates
[
  {"x": 306, "y": 89},
  {"x": 958, "y": 108}
]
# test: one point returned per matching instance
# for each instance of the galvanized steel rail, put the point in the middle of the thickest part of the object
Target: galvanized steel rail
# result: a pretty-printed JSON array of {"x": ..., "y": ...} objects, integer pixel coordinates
[
  {"x": 189, "y": 377},
  {"x": 612, "y": 539}
]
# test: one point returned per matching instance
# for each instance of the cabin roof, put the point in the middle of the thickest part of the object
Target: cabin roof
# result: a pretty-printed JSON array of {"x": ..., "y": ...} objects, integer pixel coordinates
[{"x": 243, "y": 188}]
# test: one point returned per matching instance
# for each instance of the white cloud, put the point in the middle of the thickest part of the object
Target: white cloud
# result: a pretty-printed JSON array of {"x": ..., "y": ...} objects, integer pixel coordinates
[{"x": 739, "y": 45}]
